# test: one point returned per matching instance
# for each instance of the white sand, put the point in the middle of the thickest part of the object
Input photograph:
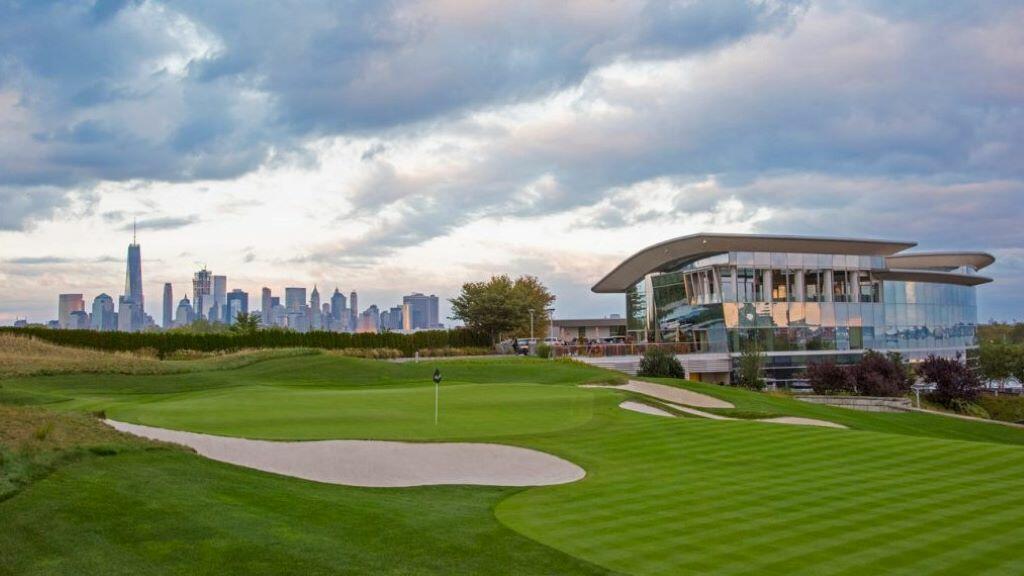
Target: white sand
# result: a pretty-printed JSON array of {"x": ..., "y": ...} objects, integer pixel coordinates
[
  {"x": 378, "y": 463},
  {"x": 701, "y": 413},
  {"x": 802, "y": 421},
  {"x": 644, "y": 409},
  {"x": 674, "y": 397},
  {"x": 794, "y": 420},
  {"x": 669, "y": 394}
]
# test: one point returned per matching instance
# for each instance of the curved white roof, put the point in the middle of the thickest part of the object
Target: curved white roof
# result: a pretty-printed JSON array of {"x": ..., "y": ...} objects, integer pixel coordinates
[
  {"x": 669, "y": 254},
  {"x": 940, "y": 260}
]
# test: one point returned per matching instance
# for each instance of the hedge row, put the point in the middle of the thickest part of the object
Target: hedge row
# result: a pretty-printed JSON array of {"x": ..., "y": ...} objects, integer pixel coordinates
[{"x": 166, "y": 342}]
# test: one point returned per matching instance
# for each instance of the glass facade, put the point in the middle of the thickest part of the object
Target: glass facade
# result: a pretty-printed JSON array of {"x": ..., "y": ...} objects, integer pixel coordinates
[{"x": 795, "y": 306}]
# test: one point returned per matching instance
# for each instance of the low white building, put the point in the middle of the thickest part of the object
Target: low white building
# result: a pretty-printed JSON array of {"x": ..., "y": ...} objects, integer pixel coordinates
[{"x": 570, "y": 329}]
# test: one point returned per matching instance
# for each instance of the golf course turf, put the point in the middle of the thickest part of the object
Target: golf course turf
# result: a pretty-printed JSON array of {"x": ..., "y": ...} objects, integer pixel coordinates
[{"x": 896, "y": 493}]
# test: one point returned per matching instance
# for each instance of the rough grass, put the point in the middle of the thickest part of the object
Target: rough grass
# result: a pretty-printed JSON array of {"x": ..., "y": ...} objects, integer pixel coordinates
[
  {"x": 1005, "y": 407},
  {"x": 34, "y": 442},
  {"x": 27, "y": 356}
]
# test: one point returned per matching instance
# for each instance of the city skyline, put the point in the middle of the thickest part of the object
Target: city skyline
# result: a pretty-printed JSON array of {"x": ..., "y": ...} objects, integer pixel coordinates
[
  {"x": 212, "y": 301},
  {"x": 603, "y": 129}
]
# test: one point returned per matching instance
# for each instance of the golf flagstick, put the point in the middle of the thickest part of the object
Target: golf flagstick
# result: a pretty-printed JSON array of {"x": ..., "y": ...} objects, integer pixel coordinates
[{"x": 437, "y": 391}]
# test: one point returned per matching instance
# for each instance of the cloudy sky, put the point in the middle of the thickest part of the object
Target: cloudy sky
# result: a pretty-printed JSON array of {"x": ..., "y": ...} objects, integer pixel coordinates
[{"x": 396, "y": 146}]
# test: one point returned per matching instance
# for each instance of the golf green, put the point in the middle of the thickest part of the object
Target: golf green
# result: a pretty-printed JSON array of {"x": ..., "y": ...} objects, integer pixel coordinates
[
  {"x": 895, "y": 493},
  {"x": 465, "y": 411}
]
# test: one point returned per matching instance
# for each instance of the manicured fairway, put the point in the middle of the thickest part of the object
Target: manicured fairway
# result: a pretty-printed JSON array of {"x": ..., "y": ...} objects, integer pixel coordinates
[
  {"x": 690, "y": 496},
  {"x": 897, "y": 493},
  {"x": 393, "y": 412}
]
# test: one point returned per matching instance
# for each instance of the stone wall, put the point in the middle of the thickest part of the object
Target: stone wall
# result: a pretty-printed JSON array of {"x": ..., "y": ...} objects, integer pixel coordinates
[{"x": 865, "y": 403}]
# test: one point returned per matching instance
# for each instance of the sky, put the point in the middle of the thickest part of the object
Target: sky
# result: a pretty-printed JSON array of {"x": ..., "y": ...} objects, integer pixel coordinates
[{"x": 398, "y": 146}]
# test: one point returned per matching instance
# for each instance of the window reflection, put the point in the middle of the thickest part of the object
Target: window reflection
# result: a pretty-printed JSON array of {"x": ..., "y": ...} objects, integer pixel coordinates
[{"x": 799, "y": 302}]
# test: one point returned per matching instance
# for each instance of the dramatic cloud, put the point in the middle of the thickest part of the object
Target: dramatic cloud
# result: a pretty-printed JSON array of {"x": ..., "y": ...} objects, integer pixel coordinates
[
  {"x": 847, "y": 94},
  {"x": 200, "y": 90},
  {"x": 366, "y": 140},
  {"x": 168, "y": 223}
]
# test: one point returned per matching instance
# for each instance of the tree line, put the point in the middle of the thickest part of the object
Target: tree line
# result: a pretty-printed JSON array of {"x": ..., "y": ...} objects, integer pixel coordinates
[{"x": 164, "y": 343}]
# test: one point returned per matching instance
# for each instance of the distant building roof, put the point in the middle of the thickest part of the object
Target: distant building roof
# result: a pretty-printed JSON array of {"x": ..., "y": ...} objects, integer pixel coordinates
[{"x": 584, "y": 322}]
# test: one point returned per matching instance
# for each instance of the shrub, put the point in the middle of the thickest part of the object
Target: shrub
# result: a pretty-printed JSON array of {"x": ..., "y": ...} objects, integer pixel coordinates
[
  {"x": 969, "y": 409},
  {"x": 955, "y": 384},
  {"x": 164, "y": 343},
  {"x": 1003, "y": 407},
  {"x": 878, "y": 375},
  {"x": 369, "y": 353},
  {"x": 454, "y": 351},
  {"x": 751, "y": 366},
  {"x": 543, "y": 350},
  {"x": 43, "y": 431},
  {"x": 830, "y": 378},
  {"x": 659, "y": 362}
]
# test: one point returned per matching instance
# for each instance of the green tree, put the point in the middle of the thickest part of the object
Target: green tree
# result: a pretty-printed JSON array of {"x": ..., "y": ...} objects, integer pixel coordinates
[
  {"x": 501, "y": 306},
  {"x": 998, "y": 361},
  {"x": 246, "y": 323},
  {"x": 659, "y": 362},
  {"x": 751, "y": 366},
  {"x": 200, "y": 326},
  {"x": 1017, "y": 364}
]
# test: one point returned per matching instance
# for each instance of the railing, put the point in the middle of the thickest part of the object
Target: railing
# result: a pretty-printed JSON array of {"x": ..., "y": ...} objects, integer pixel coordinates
[{"x": 633, "y": 349}]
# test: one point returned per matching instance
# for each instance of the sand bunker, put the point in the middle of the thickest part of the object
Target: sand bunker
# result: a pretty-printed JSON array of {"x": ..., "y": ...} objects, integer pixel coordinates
[
  {"x": 803, "y": 422},
  {"x": 794, "y": 420},
  {"x": 644, "y": 409},
  {"x": 669, "y": 394},
  {"x": 378, "y": 463}
]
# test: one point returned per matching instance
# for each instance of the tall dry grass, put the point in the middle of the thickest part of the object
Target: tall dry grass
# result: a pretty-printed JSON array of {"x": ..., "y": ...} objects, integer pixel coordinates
[{"x": 26, "y": 356}]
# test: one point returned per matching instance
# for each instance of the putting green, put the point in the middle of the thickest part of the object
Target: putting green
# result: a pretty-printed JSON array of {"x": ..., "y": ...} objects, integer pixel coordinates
[
  {"x": 481, "y": 411},
  {"x": 895, "y": 493}
]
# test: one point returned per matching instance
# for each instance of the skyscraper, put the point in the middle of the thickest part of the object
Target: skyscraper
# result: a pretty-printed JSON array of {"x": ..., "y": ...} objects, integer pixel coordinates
[
  {"x": 168, "y": 305},
  {"x": 353, "y": 307},
  {"x": 266, "y": 306},
  {"x": 66, "y": 304},
  {"x": 419, "y": 312},
  {"x": 237, "y": 303},
  {"x": 315, "y": 321},
  {"x": 184, "y": 315},
  {"x": 129, "y": 318},
  {"x": 202, "y": 293},
  {"x": 220, "y": 292},
  {"x": 294, "y": 299},
  {"x": 369, "y": 320},
  {"x": 391, "y": 319},
  {"x": 338, "y": 305},
  {"x": 79, "y": 320},
  {"x": 133, "y": 281},
  {"x": 103, "y": 316}
]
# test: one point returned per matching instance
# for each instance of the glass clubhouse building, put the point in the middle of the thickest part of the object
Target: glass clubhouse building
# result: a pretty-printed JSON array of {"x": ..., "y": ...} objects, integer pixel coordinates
[{"x": 799, "y": 299}]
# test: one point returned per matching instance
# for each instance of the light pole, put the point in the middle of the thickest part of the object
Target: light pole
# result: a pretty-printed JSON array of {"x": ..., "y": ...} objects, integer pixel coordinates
[
  {"x": 531, "y": 323},
  {"x": 551, "y": 326}
]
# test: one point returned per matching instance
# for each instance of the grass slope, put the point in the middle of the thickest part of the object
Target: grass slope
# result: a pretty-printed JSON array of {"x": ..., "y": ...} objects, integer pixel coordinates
[
  {"x": 899, "y": 493},
  {"x": 34, "y": 442},
  {"x": 690, "y": 496},
  {"x": 174, "y": 513},
  {"x": 26, "y": 356},
  {"x": 749, "y": 404}
]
